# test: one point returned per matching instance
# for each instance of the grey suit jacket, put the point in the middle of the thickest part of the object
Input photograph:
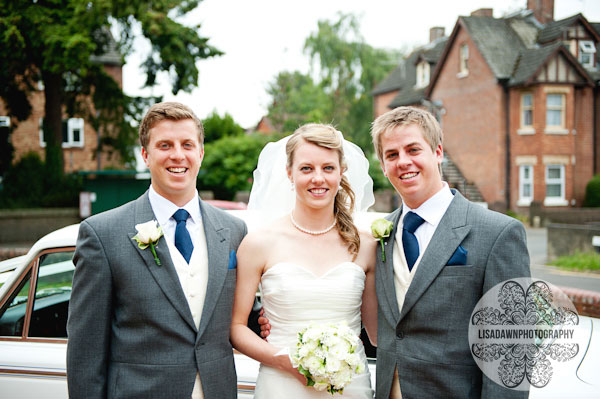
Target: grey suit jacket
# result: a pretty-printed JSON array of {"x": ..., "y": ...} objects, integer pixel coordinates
[
  {"x": 131, "y": 332},
  {"x": 427, "y": 341}
]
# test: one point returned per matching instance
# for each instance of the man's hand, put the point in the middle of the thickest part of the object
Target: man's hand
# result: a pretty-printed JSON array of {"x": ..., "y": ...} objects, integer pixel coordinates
[{"x": 265, "y": 327}]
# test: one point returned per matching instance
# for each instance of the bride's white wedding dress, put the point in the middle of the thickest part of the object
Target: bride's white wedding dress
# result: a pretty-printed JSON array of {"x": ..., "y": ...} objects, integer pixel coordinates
[{"x": 292, "y": 297}]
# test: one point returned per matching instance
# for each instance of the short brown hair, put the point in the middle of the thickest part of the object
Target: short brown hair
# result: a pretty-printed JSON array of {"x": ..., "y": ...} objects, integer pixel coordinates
[
  {"x": 167, "y": 111},
  {"x": 403, "y": 116}
]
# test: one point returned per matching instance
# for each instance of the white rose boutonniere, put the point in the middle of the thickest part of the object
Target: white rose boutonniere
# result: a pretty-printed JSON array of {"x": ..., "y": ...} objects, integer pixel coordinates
[
  {"x": 147, "y": 236},
  {"x": 381, "y": 229}
]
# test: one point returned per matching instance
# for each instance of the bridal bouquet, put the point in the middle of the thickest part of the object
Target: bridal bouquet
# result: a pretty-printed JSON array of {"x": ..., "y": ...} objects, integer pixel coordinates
[{"x": 325, "y": 355}]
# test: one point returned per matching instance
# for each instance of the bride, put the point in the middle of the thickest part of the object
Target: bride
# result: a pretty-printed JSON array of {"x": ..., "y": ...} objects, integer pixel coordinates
[{"x": 312, "y": 263}]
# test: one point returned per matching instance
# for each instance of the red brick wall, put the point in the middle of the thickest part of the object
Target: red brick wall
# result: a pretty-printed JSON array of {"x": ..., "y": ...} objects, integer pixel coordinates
[
  {"x": 474, "y": 132},
  {"x": 381, "y": 102},
  {"x": 578, "y": 143},
  {"x": 25, "y": 136},
  {"x": 584, "y": 142},
  {"x": 116, "y": 71}
]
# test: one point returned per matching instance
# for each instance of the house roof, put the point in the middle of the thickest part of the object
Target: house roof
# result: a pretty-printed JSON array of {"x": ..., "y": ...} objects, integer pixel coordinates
[
  {"x": 409, "y": 96},
  {"x": 498, "y": 43},
  {"x": 110, "y": 54},
  {"x": 529, "y": 62},
  {"x": 555, "y": 29},
  {"x": 404, "y": 77},
  {"x": 391, "y": 82},
  {"x": 513, "y": 48}
]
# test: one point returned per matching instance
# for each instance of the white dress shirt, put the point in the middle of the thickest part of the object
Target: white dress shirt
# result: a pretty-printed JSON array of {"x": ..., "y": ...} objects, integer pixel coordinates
[
  {"x": 432, "y": 212},
  {"x": 193, "y": 277}
]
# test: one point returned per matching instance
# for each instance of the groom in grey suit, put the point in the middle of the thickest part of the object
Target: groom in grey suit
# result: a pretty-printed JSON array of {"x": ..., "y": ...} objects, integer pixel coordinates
[
  {"x": 149, "y": 316},
  {"x": 443, "y": 255}
]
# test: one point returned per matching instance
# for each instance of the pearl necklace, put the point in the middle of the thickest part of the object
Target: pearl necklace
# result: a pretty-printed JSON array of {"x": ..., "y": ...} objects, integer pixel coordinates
[{"x": 311, "y": 232}]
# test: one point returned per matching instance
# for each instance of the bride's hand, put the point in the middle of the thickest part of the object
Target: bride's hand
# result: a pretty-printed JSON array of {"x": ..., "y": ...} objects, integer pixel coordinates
[{"x": 285, "y": 364}]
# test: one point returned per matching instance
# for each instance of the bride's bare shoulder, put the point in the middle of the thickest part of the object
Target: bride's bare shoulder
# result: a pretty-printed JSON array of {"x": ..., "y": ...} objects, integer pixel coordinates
[
  {"x": 366, "y": 240},
  {"x": 266, "y": 235}
]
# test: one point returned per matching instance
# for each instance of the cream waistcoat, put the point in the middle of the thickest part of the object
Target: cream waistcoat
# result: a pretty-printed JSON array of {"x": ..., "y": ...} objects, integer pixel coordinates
[{"x": 194, "y": 280}]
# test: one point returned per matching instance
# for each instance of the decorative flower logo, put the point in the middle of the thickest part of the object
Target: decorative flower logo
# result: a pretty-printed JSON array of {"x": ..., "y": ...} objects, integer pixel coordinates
[{"x": 525, "y": 333}]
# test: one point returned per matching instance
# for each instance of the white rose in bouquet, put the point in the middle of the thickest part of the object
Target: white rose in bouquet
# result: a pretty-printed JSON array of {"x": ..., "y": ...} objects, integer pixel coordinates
[{"x": 325, "y": 355}]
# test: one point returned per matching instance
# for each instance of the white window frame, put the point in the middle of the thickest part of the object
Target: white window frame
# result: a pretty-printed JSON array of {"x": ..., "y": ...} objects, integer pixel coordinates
[
  {"x": 558, "y": 200},
  {"x": 526, "y": 129},
  {"x": 524, "y": 181},
  {"x": 587, "y": 47},
  {"x": 4, "y": 121},
  {"x": 72, "y": 125},
  {"x": 423, "y": 71},
  {"x": 557, "y": 129},
  {"x": 463, "y": 66}
]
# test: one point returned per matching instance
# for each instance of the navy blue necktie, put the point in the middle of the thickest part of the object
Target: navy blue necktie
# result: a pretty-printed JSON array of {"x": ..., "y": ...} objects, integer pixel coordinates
[
  {"x": 411, "y": 223},
  {"x": 183, "y": 241}
]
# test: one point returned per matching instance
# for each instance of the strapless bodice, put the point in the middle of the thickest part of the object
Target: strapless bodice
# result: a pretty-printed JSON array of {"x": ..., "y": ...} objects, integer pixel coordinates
[{"x": 294, "y": 296}]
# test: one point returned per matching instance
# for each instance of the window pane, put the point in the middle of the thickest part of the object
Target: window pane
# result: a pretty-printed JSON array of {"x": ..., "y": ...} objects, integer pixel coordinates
[
  {"x": 554, "y": 100},
  {"x": 554, "y": 173},
  {"x": 527, "y": 100},
  {"x": 13, "y": 318},
  {"x": 52, "y": 294},
  {"x": 526, "y": 173},
  {"x": 65, "y": 132},
  {"x": 76, "y": 135},
  {"x": 553, "y": 117},
  {"x": 553, "y": 190},
  {"x": 527, "y": 118},
  {"x": 585, "y": 58},
  {"x": 527, "y": 190}
]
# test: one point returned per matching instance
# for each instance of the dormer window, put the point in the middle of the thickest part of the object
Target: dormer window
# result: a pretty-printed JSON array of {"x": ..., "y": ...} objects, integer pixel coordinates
[
  {"x": 586, "y": 53},
  {"x": 423, "y": 74}
]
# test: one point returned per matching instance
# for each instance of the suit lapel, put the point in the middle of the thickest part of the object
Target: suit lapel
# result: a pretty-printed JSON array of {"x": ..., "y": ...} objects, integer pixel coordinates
[
  {"x": 447, "y": 237},
  {"x": 164, "y": 275},
  {"x": 387, "y": 270},
  {"x": 217, "y": 246}
]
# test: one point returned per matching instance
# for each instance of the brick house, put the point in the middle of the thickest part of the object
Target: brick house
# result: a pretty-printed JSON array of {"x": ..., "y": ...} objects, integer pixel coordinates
[
  {"x": 80, "y": 139},
  {"x": 407, "y": 84},
  {"x": 518, "y": 101}
]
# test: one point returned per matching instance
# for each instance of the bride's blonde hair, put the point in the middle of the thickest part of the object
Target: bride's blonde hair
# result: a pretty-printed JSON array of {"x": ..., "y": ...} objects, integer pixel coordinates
[{"x": 327, "y": 136}]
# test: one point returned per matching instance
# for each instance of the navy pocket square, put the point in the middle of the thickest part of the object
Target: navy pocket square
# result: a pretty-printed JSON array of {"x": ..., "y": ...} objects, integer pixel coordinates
[
  {"x": 459, "y": 257},
  {"x": 232, "y": 260}
]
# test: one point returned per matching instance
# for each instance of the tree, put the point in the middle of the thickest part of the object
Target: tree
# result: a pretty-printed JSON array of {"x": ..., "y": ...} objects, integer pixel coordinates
[
  {"x": 229, "y": 162},
  {"x": 216, "y": 127},
  {"x": 296, "y": 100},
  {"x": 58, "y": 42},
  {"x": 348, "y": 70}
]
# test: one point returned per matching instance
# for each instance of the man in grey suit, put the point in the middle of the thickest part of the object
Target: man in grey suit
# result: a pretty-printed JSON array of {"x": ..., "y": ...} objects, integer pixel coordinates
[
  {"x": 149, "y": 314},
  {"x": 443, "y": 255}
]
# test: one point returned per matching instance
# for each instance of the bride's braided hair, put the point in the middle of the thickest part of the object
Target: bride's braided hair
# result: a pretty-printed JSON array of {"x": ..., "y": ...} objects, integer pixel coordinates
[{"x": 327, "y": 136}]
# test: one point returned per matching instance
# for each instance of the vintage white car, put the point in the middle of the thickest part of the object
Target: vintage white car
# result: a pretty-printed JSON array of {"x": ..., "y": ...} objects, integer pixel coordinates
[{"x": 34, "y": 298}]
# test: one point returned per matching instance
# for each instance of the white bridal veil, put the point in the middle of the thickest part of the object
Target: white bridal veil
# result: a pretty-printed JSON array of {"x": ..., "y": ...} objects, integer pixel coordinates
[{"x": 271, "y": 189}]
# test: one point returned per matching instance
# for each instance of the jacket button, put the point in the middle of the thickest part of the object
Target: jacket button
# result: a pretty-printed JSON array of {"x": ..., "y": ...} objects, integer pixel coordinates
[{"x": 400, "y": 335}]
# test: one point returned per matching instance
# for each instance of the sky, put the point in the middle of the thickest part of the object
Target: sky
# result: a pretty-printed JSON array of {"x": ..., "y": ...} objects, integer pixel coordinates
[{"x": 261, "y": 38}]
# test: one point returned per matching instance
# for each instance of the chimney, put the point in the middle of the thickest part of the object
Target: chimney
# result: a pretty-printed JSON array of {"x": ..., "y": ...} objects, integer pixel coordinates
[
  {"x": 543, "y": 10},
  {"x": 483, "y": 12},
  {"x": 436, "y": 32}
]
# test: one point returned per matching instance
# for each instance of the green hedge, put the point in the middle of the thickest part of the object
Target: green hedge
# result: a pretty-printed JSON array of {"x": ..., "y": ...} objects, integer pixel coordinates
[
  {"x": 28, "y": 184},
  {"x": 592, "y": 192}
]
